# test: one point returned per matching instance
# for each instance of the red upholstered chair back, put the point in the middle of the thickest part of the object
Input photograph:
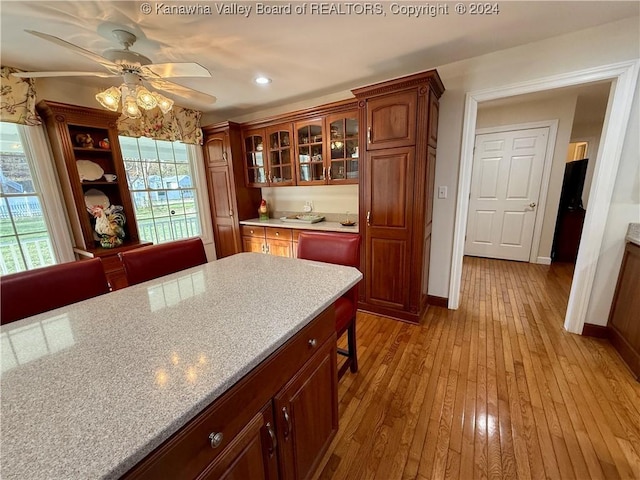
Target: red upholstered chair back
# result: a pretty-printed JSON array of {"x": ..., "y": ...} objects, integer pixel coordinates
[
  {"x": 155, "y": 261},
  {"x": 35, "y": 291},
  {"x": 330, "y": 247}
]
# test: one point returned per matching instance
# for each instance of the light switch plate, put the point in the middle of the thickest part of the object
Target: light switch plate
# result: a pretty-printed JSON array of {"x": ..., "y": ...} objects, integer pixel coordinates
[{"x": 442, "y": 192}]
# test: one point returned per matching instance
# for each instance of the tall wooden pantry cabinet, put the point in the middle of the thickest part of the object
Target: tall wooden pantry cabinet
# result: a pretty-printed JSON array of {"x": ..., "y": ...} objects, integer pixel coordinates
[
  {"x": 399, "y": 120},
  {"x": 230, "y": 200}
]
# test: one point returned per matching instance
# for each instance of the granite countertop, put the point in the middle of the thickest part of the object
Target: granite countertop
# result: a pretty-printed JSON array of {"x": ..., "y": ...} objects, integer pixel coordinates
[
  {"x": 88, "y": 390},
  {"x": 633, "y": 233},
  {"x": 325, "y": 226}
]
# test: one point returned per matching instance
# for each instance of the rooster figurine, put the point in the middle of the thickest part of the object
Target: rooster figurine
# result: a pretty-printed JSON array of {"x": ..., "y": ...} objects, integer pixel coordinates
[{"x": 109, "y": 223}]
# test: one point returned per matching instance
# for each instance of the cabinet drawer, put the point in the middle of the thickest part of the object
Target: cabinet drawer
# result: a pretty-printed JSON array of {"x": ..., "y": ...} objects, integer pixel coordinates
[
  {"x": 278, "y": 233},
  {"x": 250, "y": 231},
  {"x": 188, "y": 452}
]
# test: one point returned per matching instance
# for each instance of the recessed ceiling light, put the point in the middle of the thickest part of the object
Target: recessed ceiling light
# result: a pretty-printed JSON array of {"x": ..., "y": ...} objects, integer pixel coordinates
[{"x": 262, "y": 80}]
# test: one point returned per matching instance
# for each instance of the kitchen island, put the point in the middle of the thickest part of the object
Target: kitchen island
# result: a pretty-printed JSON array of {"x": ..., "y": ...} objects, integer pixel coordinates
[{"x": 91, "y": 389}]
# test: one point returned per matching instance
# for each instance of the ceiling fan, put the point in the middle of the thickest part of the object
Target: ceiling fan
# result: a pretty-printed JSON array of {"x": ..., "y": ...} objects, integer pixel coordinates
[{"x": 134, "y": 68}]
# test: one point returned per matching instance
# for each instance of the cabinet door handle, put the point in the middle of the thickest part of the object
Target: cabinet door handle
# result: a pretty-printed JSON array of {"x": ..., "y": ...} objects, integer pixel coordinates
[
  {"x": 329, "y": 173},
  {"x": 263, "y": 248},
  {"x": 215, "y": 439},
  {"x": 267, "y": 249},
  {"x": 269, "y": 176},
  {"x": 313, "y": 342},
  {"x": 272, "y": 435},
  {"x": 277, "y": 234},
  {"x": 231, "y": 213},
  {"x": 224, "y": 156},
  {"x": 369, "y": 135},
  {"x": 368, "y": 219},
  {"x": 287, "y": 419},
  {"x": 324, "y": 172}
]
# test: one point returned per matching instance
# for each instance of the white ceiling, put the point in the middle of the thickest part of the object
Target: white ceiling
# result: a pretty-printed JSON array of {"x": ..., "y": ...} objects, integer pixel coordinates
[{"x": 307, "y": 56}]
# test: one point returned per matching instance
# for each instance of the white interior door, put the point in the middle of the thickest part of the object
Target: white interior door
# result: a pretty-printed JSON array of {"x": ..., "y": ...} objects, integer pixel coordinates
[{"x": 505, "y": 186}]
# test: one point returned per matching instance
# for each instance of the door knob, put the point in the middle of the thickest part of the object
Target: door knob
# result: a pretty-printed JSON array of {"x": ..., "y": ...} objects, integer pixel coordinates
[{"x": 533, "y": 204}]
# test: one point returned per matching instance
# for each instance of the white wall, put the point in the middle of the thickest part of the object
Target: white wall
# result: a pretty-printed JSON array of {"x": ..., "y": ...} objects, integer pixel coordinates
[
  {"x": 592, "y": 47},
  {"x": 329, "y": 199},
  {"x": 562, "y": 109},
  {"x": 624, "y": 209}
]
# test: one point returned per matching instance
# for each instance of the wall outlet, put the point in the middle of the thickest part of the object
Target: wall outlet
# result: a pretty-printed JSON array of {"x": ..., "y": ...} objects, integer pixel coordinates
[
  {"x": 442, "y": 192},
  {"x": 308, "y": 207}
]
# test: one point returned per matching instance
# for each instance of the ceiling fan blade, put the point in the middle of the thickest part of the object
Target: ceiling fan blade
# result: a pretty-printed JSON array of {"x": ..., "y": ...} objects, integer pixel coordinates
[
  {"x": 186, "y": 92},
  {"x": 63, "y": 74},
  {"x": 172, "y": 70},
  {"x": 108, "y": 64}
]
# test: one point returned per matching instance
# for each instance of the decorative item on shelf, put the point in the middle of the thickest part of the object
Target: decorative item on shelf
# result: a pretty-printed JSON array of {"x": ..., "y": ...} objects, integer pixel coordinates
[
  {"x": 347, "y": 222},
  {"x": 104, "y": 143},
  {"x": 88, "y": 170},
  {"x": 109, "y": 224},
  {"x": 110, "y": 177},
  {"x": 263, "y": 210},
  {"x": 83, "y": 140}
]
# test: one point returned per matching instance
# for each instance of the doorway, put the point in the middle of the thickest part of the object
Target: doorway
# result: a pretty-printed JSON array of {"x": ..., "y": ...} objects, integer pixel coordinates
[{"x": 623, "y": 77}]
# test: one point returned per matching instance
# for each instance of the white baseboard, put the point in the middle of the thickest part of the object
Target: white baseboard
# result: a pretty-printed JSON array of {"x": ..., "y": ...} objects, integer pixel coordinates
[{"x": 543, "y": 260}]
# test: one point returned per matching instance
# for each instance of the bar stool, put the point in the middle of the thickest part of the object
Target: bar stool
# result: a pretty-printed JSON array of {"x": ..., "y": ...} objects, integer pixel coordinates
[
  {"x": 340, "y": 249},
  {"x": 155, "y": 261},
  {"x": 24, "y": 294}
]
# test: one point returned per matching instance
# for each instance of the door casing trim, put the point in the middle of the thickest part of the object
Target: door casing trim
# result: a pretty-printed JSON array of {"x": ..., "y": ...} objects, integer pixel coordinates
[{"x": 623, "y": 76}]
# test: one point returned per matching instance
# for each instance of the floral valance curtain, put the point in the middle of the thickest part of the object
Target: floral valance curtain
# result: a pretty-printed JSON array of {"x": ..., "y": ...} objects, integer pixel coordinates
[
  {"x": 179, "y": 124},
  {"x": 17, "y": 98}
]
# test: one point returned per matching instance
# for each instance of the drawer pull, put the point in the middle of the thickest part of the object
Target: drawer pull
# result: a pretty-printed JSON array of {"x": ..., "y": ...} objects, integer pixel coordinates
[
  {"x": 285, "y": 414},
  {"x": 277, "y": 234},
  {"x": 272, "y": 435},
  {"x": 313, "y": 342},
  {"x": 215, "y": 439}
]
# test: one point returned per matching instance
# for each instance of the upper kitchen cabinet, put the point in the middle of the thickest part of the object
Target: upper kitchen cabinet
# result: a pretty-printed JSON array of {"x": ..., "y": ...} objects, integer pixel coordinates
[
  {"x": 391, "y": 120},
  {"x": 230, "y": 200},
  {"x": 310, "y": 165},
  {"x": 268, "y": 156},
  {"x": 254, "y": 158},
  {"x": 328, "y": 149},
  {"x": 396, "y": 192},
  {"x": 343, "y": 148},
  {"x": 280, "y": 168}
]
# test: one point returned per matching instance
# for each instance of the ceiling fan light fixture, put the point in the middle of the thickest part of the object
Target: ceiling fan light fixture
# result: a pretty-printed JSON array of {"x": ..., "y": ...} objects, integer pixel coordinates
[
  {"x": 130, "y": 107},
  {"x": 164, "y": 104},
  {"x": 145, "y": 99},
  {"x": 262, "y": 80},
  {"x": 109, "y": 99}
]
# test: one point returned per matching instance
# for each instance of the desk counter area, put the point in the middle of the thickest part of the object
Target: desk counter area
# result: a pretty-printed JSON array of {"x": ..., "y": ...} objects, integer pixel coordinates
[{"x": 89, "y": 390}]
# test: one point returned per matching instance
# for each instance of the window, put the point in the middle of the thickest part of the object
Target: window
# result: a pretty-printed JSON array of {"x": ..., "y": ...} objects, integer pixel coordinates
[
  {"x": 25, "y": 238},
  {"x": 162, "y": 180}
]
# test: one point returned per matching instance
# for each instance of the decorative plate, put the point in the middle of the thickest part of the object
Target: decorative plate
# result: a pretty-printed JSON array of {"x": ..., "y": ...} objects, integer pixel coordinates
[
  {"x": 89, "y": 170},
  {"x": 303, "y": 218},
  {"x": 93, "y": 197}
]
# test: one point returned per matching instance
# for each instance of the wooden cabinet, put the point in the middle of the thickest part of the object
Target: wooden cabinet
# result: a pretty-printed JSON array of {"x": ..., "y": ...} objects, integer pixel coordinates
[
  {"x": 307, "y": 419},
  {"x": 396, "y": 192},
  {"x": 624, "y": 322},
  {"x": 251, "y": 454},
  {"x": 85, "y": 146},
  {"x": 343, "y": 148},
  {"x": 245, "y": 434},
  {"x": 317, "y": 146},
  {"x": 280, "y": 158},
  {"x": 230, "y": 200},
  {"x": 310, "y": 164},
  {"x": 270, "y": 240}
]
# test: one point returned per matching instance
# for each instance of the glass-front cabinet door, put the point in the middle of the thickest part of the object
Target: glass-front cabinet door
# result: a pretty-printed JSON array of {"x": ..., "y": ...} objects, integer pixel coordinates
[
  {"x": 310, "y": 162},
  {"x": 343, "y": 148},
  {"x": 255, "y": 161},
  {"x": 280, "y": 146}
]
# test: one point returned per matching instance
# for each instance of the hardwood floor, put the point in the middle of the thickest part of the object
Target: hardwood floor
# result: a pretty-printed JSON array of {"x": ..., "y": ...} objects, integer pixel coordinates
[{"x": 496, "y": 389}]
